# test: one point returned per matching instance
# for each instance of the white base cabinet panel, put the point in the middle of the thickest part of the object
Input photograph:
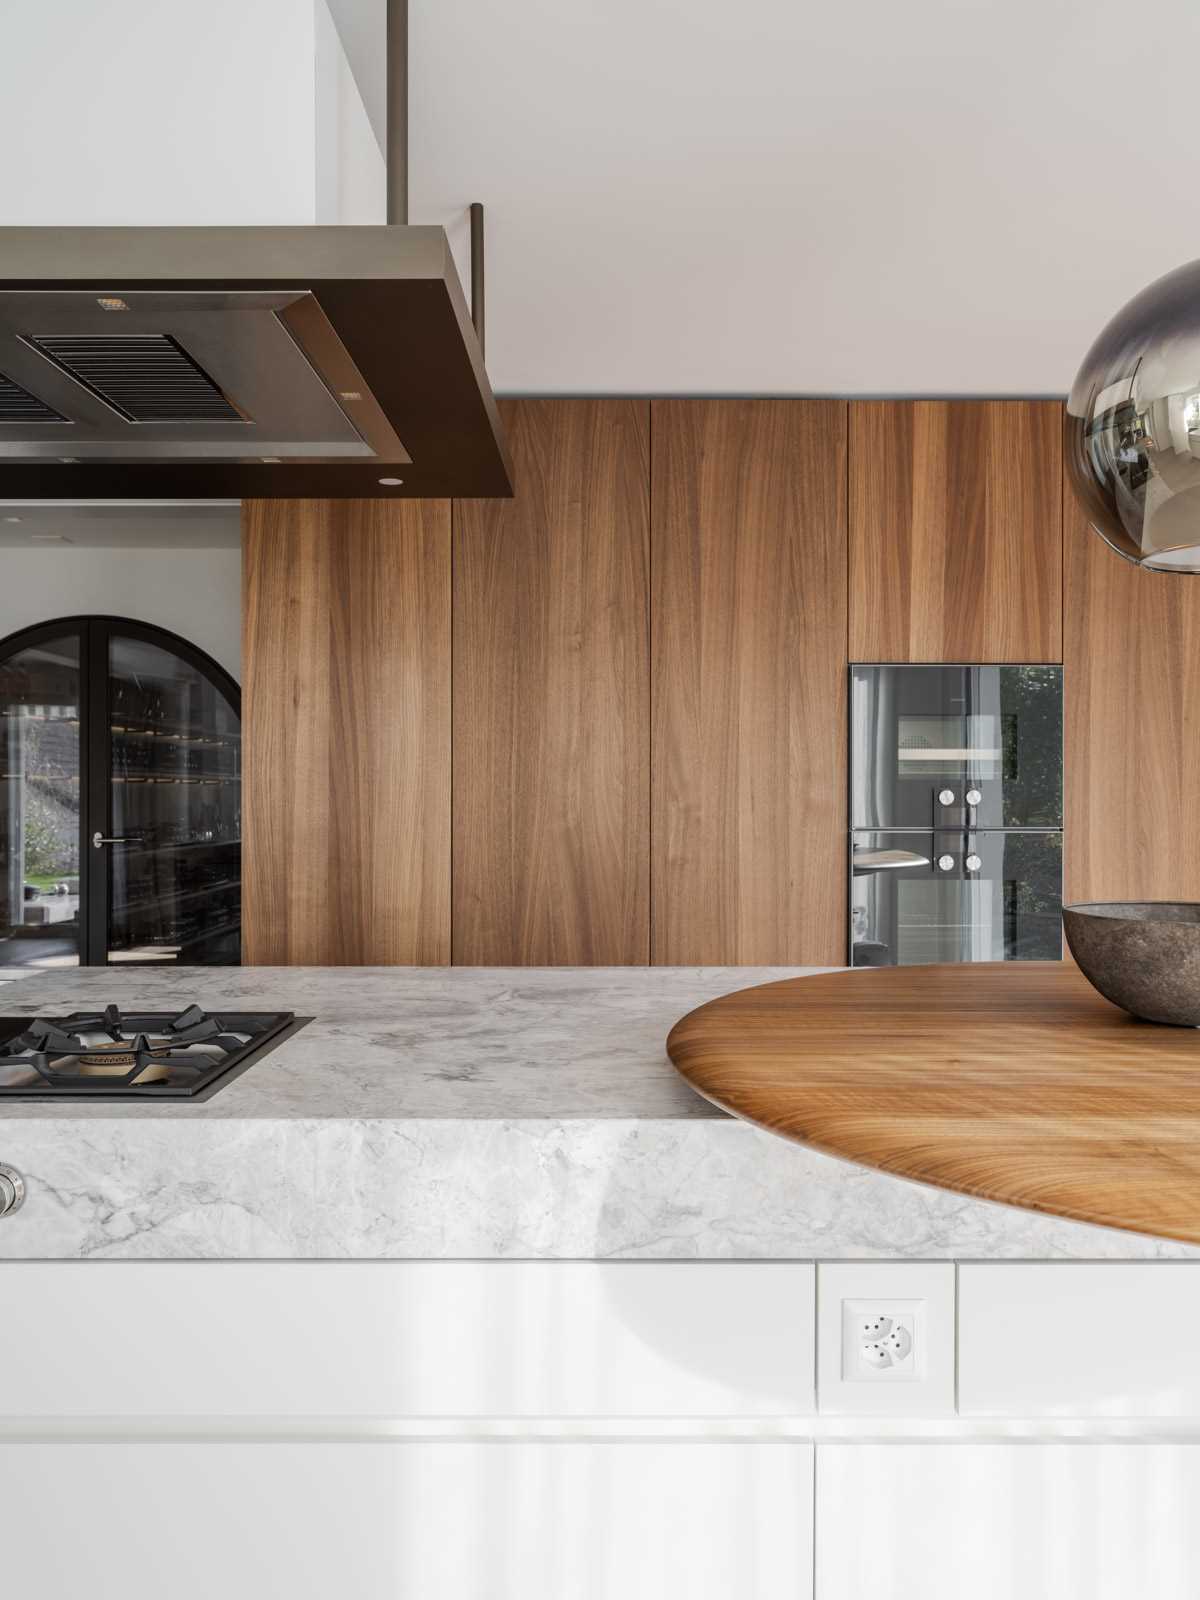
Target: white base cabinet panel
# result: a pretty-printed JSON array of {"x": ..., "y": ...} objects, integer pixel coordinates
[
  {"x": 1079, "y": 1340},
  {"x": 406, "y": 1339},
  {"x": 999, "y": 1521},
  {"x": 414, "y": 1521}
]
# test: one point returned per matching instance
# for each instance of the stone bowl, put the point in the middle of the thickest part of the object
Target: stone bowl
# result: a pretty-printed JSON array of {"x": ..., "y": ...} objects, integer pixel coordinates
[{"x": 1143, "y": 955}]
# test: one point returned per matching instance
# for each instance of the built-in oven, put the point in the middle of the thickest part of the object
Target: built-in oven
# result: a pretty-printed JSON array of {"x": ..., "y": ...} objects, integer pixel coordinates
[
  {"x": 955, "y": 896},
  {"x": 955, "y": 813},
  {"x": 977, "y": 747}
]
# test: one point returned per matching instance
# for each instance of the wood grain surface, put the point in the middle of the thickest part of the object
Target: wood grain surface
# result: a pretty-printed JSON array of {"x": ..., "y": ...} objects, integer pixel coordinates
[
  {"x": 749, "y": 681},
  {"x": 1010, "y": 1081},
  {"x": 346, "y": 696},
  {"x": 551, "y": 695},
  {"x": 1132, "y": 732},
  {"x": 955, "y": 530}
]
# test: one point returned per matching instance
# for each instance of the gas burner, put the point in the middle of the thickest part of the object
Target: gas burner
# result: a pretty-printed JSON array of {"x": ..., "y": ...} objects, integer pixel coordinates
[{"x": 143, "y": 1056}]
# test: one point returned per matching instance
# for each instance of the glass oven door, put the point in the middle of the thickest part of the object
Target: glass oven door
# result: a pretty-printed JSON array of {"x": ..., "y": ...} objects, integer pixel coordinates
[
  {"x": 950, "y": 747},
  {"x": 955, "y": 896}
]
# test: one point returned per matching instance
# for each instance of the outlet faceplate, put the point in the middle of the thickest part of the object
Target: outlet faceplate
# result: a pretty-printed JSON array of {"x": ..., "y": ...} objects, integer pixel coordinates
[
  {"x": 883, "y": 1341},
  {"x": 917, "y": 1299}
]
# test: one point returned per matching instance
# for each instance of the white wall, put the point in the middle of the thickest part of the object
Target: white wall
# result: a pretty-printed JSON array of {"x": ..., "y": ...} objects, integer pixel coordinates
[
  {"x": 194, "y": 592},
  {"x": 159, "y": 111},
  {"x": 351, "y": 177},
  {"x": 791, "y": 196},
  {"x": 689, "y": 196},
  {"x": 136, "y": 111}
]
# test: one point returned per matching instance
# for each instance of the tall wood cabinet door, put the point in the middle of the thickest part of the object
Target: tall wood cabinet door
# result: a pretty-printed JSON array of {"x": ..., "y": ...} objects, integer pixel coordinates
[
  {"x": 346, "y": 732},
  {"x": 551, "y": 695},
  {"x": 1132, "y": 730},
  {"x": 749, "y": 682},
  {"x": 380, "y": 1520},
  {"x": 1007, "y": 1521},
  {"x": 955, "y": 530}
]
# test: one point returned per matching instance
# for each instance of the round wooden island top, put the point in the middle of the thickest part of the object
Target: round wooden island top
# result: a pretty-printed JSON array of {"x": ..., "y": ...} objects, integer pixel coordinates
[{"x": 1009, "y": 1081}]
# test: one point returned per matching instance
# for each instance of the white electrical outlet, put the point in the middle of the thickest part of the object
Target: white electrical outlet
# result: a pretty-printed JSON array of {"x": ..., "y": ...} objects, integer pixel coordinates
[
  {"x": 885, "y": 1338},
  {"x": 883, "y": 1341}
]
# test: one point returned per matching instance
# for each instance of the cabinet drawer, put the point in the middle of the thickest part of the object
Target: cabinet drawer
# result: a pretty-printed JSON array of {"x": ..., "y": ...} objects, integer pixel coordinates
[
  {"x": 1105, "y": 1340},
  {"x": 427, "y": 1521},
  {"x": 1007, "y": 1521},
  {"x": 405, "y": 1339}
]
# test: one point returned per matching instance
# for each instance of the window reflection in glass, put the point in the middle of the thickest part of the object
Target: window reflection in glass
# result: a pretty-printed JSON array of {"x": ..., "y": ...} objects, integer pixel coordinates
[{"x": 39, "y": 806}]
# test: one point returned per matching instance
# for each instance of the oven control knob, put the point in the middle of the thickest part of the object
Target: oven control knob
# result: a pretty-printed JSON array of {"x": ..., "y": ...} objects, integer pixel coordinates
[
  {"x": 974, "y": 863},
  {"x": 973, "y": 797},
  {"x": 946, "y": 863},
  {"x": 946, "y": 796},
  {"x": 12, "y": 1190}
]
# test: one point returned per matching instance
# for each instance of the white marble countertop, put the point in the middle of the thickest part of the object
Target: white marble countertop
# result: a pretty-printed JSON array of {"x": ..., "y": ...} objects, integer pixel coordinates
[
  {"x": 488, "y": 1113},
  {"x": 416, "y": 1042}
]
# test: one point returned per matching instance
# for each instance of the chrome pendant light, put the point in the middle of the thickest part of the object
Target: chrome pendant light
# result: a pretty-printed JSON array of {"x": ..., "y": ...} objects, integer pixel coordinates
[{"x": 1133, "y": 427}]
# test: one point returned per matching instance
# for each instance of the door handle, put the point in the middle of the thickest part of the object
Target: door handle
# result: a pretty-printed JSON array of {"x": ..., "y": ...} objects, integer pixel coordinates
[
  {"x": 867, "y": 861},
  {"x": 98, "y": 839}
]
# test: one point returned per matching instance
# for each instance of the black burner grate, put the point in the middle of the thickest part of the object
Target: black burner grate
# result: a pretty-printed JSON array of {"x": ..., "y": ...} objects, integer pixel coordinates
[{"x": 145, "y": 1055}]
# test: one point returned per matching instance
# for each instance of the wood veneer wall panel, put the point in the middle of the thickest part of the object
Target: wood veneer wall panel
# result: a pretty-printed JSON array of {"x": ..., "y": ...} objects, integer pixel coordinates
[
  {"x": 955, "y": 530},
  {"x": 551, "y": 694},
  {"x": 749, "y": 681},
  {"x": 1132, "y": 734},
  {"x": 346, "y": 667}
]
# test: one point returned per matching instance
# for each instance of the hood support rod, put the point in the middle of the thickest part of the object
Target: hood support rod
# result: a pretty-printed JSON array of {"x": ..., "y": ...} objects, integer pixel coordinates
[
  {"x": 397, "y": 153},
  {"x": 477, "y": 271},
  {"x": 397, "y": 111}
]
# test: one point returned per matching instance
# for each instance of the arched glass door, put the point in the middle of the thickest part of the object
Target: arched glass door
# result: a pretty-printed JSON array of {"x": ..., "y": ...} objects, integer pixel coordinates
[{"x": 120, "y": 799}]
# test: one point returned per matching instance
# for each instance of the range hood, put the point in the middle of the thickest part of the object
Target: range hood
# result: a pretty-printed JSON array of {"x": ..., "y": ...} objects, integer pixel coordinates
[{"x": 240, "y": 362}]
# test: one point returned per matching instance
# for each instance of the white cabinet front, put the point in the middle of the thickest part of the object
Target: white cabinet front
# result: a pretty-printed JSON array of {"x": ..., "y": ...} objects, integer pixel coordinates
[
  {"x": 1079, "y": 1339},
  {"x": 1007, "y": 1521},
  {"x": 414, "y": 1521},
  {"x": 406, "y": 1339}
]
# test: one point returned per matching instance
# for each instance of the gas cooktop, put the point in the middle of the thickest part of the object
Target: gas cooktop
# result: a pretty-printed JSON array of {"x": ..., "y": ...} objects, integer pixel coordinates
[{"x": 140, "y": 1055}]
